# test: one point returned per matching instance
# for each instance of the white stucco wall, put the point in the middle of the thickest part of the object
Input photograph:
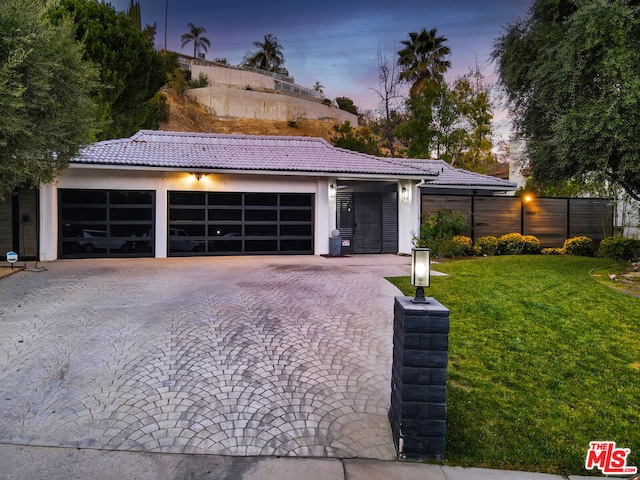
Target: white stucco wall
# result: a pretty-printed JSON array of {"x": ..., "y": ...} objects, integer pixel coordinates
[
  {"x": 408, "y": 215},
  {"x": 627, "y": 216},
  {"x": 81, "y": 177}
]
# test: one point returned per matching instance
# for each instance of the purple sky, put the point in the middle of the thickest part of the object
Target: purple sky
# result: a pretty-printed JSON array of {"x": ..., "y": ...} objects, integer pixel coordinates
[{"x": 336, "y": 42}]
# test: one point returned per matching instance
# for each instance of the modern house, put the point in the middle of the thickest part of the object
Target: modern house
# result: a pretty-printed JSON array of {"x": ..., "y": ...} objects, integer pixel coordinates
[{"x": 160, "y": 194}]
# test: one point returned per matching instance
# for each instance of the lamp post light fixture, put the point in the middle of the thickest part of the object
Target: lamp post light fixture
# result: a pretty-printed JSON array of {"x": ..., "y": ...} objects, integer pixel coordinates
[
  {"x": 525, "y": 200},
  {"x": 420, "y": 272}
]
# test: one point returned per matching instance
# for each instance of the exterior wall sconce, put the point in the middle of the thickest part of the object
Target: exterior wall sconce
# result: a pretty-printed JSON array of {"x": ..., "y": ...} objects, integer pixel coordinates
[
  {"x": 199, "y": 175},
  {"x": 405, "y": 194},
  {"x": 332, "y": 191},
  {"x": 420, "y": 272}
]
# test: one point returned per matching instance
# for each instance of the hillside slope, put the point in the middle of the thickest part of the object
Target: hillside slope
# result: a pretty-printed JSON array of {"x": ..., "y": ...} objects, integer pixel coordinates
[{"x": 188, "y": 116}]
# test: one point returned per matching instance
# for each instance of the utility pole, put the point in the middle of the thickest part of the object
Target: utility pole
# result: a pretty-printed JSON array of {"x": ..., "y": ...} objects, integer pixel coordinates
[{"x": 166, "y": 15}]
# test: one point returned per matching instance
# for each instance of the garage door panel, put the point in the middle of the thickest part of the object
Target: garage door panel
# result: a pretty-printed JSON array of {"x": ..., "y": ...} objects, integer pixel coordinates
[
  {"x": 233, "y": 214},
  {"x": 242, "y": 223},
  {"x": 106, "y": 223},
  {"x": 223, "y": 246}
]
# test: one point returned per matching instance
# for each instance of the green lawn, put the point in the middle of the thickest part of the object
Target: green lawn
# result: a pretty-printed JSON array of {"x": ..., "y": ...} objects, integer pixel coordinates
[{"x": 543, "y": 359}]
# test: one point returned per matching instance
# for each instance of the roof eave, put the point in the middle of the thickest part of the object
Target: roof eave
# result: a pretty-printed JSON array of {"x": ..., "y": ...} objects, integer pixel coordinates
[
  {"x": 305, "y": 173},
  {"x": 470, "y": 186}
]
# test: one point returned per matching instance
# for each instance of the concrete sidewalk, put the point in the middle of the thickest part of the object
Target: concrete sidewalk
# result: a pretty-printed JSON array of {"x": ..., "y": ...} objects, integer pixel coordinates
[{"x": 51, "y": 463}]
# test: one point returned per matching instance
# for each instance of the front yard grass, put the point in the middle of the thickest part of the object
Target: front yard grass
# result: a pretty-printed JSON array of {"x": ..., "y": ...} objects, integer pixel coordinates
[{"x": 543, "y": 359}]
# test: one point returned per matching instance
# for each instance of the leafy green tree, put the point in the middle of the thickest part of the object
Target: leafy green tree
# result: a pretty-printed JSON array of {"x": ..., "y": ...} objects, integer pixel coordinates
[
  {"x": 46, "y": 113},
  {"x": 131, "y": 71},
  {"x": 571, "y": 73},
  {"x": 269, "y": 56},
  {"x": 417, "y": 132},
  {"x": 423, "y": 60},
  {"x": 449, "y": 135},
  {"x": 360, "y": 139},
  {"x": 135, "y": 14},
  {"x": 473, "y": 98},
  {"x": 194, "y": 35},
  {"x": 346, "y": 104}
]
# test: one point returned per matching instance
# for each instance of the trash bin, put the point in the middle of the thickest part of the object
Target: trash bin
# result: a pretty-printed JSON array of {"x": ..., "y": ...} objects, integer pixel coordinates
[{"x": 335, "y": 243}]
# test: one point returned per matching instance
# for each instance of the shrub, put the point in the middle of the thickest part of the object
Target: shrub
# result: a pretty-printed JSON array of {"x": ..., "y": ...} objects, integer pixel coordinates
[
  {"x": 201, "y": 81},
  {"x": 439, "y": 228},
  {"x": 511, "y": 244},
  {"x": 531, "y": 245},
  {"x": 552, "y": 251},
  {"x": 620, "y": 247},
  {"x": 579, "y": 246},
  {"x": 488, "y": 245},
  {"x": 460, "y": 246}
]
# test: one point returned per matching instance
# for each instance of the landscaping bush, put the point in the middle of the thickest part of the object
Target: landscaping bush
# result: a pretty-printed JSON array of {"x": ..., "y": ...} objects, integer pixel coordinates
[
  {"x": 488, "y": 245},
  {"x": 439, "y": 228},
  {"x": 579, "y": 246},
  {"x": 620, "y": 247},
  {"x": 460, "y": 246},
  {"x": 511, "y": 244},
  {"x": 552, "y": 251},
  {"x": 201, "y": 81},
  {"x": 531, "y": 245}
]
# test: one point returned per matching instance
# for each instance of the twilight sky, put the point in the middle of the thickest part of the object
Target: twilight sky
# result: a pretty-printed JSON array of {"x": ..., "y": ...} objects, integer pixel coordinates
[{"x": 336, "y": 42}]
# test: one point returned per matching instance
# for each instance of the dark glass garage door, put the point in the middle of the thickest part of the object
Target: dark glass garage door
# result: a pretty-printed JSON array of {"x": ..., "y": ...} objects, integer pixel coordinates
[
  {"x": 106, "y": 223},
  {"x": 202, "y": 223}
]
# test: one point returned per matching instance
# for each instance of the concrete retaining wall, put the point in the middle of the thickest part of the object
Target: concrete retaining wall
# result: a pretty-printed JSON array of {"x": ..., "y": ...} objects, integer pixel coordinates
[
  {"x": 243, "y": 94},
  {"x": 234, "y": 102},
  {"x": 233, "y": 77}
]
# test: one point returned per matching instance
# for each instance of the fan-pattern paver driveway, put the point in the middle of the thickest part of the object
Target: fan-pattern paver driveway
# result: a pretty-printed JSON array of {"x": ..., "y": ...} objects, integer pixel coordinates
[{"x": 233, "y": 356}]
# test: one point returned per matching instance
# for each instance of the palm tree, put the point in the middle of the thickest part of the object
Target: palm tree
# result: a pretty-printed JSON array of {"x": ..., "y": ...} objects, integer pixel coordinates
[
  {"x": 268, "y": 57},
  {"x": 422, "y": 60},
  {"x": 195, "y": 35}
]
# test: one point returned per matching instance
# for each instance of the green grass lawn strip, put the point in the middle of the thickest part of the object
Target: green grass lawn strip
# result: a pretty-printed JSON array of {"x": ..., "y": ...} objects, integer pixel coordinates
[{"x": 543, "y": 359}]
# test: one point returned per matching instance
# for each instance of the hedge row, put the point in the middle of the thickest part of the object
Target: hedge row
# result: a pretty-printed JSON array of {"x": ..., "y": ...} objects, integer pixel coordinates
[{"x": 517, "y": 244}]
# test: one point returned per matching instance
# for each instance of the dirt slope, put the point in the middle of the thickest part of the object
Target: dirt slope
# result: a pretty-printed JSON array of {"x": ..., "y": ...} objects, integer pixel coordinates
[{"x": 188, "y": 116}]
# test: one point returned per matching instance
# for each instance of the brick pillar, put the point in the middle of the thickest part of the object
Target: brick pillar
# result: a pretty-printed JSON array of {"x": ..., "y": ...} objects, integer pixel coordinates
[{"x": 419, "y": 377}]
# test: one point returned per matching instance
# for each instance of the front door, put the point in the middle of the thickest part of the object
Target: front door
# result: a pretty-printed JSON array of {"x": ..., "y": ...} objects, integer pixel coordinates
[{"x": 368, "y": 222}]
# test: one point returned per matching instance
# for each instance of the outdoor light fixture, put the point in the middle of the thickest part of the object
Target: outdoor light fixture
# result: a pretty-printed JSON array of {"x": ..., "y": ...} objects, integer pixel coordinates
[
  {"x": 527, "y": 198},
  {"x": 199, "y": 175},
  {"x": 405, "y": 193},
  {"x": 420, "y": 272},
  {"x": 332, "y": 191}
]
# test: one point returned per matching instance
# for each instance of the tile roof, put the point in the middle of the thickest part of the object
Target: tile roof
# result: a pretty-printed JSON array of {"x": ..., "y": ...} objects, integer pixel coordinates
[
  {"x": 451, "y": 176},
  {"x": 207, "y": 152},
  {"x": 500, "y": 171}
]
